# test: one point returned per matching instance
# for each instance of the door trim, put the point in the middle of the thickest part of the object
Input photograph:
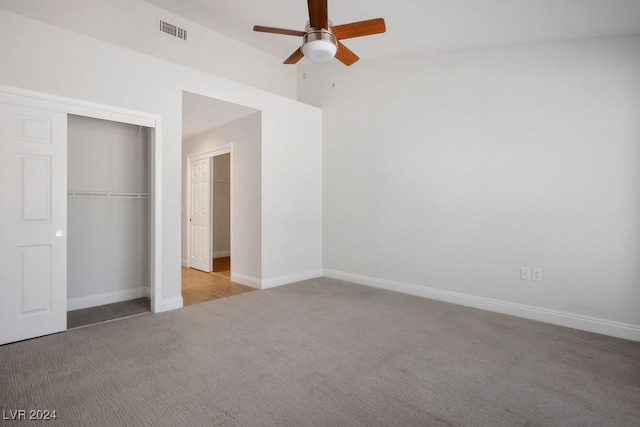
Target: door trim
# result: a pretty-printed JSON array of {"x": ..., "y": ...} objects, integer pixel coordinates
[
  {"x": 44, "y": 101},
  {"x": 219, "y": 150}
]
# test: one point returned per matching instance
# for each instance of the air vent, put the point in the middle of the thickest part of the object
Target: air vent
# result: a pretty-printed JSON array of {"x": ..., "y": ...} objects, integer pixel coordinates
[{"x": 173, "y": 30}]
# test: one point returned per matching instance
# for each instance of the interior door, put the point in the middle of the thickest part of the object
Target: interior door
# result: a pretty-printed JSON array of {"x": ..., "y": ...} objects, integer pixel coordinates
[
  {"x": 200, "y": 215},
  {"x": 33, "y": 215}
]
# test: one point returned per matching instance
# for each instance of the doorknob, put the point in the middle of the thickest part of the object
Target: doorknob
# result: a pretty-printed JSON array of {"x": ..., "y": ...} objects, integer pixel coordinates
[{"x": 59, "y": 233}]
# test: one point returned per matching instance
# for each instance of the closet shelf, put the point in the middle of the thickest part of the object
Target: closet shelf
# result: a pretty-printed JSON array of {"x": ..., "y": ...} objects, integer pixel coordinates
[
  {"x": 221, "y": 182},
  {"x": 108, "y": 195}
]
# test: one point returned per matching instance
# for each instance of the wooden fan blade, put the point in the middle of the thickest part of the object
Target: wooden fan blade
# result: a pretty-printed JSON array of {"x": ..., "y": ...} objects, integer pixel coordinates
[
  {"x": 318, "y": 14},
  {"x": 359, "y": 29},
  {"x": 345, "y": 55},
  {"x": 295, "y": 57},
  {"x": 273, "y": 30}
]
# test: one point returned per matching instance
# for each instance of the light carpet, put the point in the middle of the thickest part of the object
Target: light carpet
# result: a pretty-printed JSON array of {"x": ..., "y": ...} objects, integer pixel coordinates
[{"x": 325, "y": 353}]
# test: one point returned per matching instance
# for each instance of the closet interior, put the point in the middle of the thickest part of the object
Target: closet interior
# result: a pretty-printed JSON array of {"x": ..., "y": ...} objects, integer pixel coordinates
[{"x": 108, "y": 220}]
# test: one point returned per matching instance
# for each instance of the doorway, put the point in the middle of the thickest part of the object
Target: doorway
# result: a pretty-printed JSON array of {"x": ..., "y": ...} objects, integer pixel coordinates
[
  {"x": 210, "y": 209},
  {"x": 221, "y": 211},
  {"x": 221, "y": 146}
]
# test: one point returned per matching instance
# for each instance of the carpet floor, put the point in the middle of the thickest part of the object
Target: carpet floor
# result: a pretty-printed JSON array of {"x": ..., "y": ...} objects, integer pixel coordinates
[{"x": 325, "y": 353}]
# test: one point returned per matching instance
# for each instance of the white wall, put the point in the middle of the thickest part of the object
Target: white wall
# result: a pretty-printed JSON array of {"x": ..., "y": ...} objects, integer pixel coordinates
[
  {"x": 444, "y": 174},
  {"x": 52, "y": 60},
  {"x": 222, "y": 205},
  {"x": 133, "y": 24},
  {"x": 246, "y": 136},
  {"x": 291, "y": 197},
  {"x": 107, "y": 156},
  {"x": 108, "y": 238}
]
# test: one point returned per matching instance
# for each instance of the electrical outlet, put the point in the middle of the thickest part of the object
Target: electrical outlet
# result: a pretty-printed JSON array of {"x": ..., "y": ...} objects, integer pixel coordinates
[
  {"x": 525, "y": 273},
  {"x": 537, "y": 274}
]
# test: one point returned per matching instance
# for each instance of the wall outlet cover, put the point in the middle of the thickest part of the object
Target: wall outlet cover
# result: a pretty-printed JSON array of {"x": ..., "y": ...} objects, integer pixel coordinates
[
  {"x": 537, "y": 274},
  {"x": 525, "y": 273}
]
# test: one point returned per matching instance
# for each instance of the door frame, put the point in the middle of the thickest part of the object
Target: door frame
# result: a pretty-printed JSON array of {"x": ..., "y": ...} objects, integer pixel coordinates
[
  {"x": 44, "y": 101},
  {"x": 218, "y": 151}
]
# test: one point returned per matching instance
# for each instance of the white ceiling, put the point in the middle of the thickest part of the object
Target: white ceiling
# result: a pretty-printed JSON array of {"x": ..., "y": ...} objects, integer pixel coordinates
[
  {"x": 415, "y": 26},
  {"x": 200, "y": 113}
]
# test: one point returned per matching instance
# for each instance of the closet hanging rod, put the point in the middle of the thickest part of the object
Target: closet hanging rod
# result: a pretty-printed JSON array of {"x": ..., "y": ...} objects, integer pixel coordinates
[
  {"x": 110, "y": 195},
  {"x": 221, "y": 182}
]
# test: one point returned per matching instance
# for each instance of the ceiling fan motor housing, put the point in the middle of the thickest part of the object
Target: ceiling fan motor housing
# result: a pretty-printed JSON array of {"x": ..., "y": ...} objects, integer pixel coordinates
[
  {"x": 319, "y": 44},
  {"x": 321, "y": 40}
]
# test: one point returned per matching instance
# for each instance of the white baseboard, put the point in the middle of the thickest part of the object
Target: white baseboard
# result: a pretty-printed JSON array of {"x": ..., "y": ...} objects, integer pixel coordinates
[
  {"x": 184, "y": 262},
  {"x": 171, "y": 304},
  {"x": 570, "y": 320},
  {"x": 221, "y": 254},
  {"x": 246, "y": 280},
  {"x": 106, "y": 298},
  {"x": 275, "y": 281},
  {"x": 291, "y": 278}
]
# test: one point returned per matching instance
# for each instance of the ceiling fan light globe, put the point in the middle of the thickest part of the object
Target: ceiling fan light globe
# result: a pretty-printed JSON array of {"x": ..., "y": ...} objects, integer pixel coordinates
[
  {"x": 319, "y": 50},
  {"x": 319, "y": 45}
]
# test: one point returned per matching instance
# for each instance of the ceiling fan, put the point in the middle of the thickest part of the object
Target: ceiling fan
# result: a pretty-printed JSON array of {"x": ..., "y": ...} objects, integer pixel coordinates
[{"x": 321, "y": 39}]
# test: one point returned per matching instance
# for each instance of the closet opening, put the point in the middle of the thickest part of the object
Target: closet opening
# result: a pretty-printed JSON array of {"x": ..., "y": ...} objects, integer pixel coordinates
[{"x": 109, "y": 220}]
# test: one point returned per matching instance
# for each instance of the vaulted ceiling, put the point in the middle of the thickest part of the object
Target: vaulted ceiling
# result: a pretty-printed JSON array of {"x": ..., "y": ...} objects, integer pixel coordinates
[{"x": 415, "y": 26}]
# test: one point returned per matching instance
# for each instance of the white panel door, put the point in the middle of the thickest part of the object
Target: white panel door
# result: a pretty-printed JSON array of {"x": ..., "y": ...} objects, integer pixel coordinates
[
  {"x": 200, "y": 215},
  {"x": 33, "y": 215}
]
